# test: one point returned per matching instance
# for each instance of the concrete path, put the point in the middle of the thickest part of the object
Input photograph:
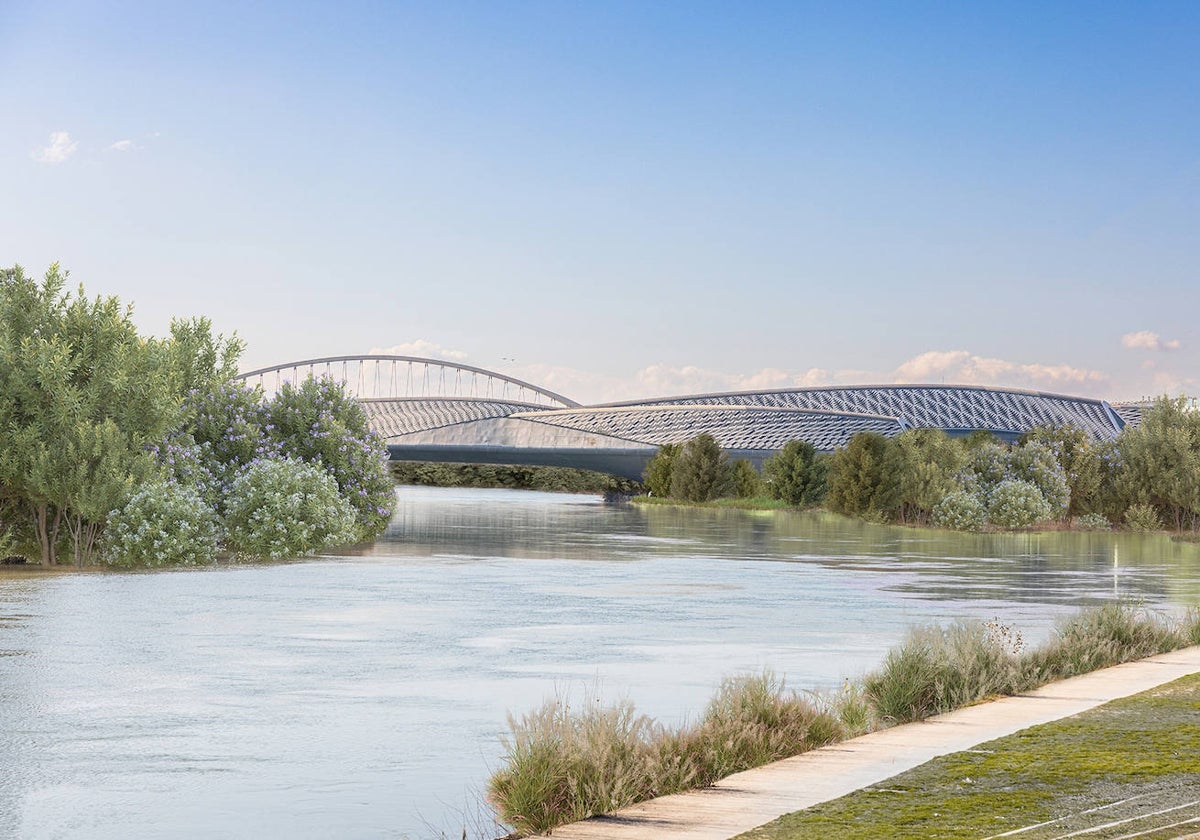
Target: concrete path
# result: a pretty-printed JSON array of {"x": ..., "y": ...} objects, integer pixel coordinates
[{"x": 745, "y": 800}]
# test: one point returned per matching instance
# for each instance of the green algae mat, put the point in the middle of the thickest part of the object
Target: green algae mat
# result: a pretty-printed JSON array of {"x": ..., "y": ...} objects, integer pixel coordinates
[{"x": 1130, "y": 768}]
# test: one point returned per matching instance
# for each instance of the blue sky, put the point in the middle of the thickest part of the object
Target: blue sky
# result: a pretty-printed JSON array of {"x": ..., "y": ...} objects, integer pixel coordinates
[{"x": 617, "y": 200}]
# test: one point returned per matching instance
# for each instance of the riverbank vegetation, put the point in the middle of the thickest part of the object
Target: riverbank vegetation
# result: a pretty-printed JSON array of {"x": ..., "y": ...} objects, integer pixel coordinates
[
  {"x": 1147, "y": 479},
  {"x": 1130, "y": 762},
  {"x": 546, "y": 479},
  {"x": 139, "y": 451},
  {"x": 564, "y": 764}
]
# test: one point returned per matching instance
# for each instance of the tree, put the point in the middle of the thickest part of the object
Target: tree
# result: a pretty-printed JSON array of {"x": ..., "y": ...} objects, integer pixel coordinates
[
  {"x": 862, "y": 482},
  {"x": 745, "y": 480},
  {"x": 1160, "y": 462},
  {"x": 658, "y": 471},
  {"x": 700, "y": 472},
  {"x": 925, "y": 461},
  {"x": 81, "y": 396},
  {"x": 796, "y": 474}
]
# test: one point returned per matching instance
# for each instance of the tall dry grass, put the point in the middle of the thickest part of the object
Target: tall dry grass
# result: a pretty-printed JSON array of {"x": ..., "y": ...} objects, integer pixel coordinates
[{"x": 565, "y": 764}]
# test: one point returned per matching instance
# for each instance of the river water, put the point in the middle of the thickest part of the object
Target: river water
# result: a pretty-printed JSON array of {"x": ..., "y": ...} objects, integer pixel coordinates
[{"x": 366, "y": 695}]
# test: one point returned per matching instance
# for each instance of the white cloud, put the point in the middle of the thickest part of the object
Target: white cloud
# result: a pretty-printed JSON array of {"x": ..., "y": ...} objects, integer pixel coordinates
[
  {"x": 961, "y": 367},
  {"x": 61, "y": 147},
  {"x": 122, "y": 146},
  {"x": 422, "y": 348},
  {"x": 1146, "y": 340}
]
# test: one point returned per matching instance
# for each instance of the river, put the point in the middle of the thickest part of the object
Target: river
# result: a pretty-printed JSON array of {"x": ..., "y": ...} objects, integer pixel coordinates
[{"x": 365, "y": 695}]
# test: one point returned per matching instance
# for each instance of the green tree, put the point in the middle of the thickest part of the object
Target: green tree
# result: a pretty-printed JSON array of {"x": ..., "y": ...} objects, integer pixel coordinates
[
  {"x": 1160, "y": 462},
  {"x": 862, "y": 478},
  {"x": 700, "y": 473},
  {"x": 925, "y": 462},
  {"x": 81, "y": 397},
  {"x": 657, "y": 476},
  {"x": 796, "y": 474},
  {"x": 745, "y": 480}
]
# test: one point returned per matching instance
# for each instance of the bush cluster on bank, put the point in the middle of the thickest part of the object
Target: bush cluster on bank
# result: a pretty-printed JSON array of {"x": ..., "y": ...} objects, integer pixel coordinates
[
  {"x": 565, "y": 764},
  {"x": 144, "y": 451},
  {"x": 1147, "y": 479},
  {"x": 547, "y": 479}
]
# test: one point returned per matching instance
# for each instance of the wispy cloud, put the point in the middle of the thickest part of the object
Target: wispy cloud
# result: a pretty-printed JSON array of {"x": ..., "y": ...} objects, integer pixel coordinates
[
  {"x": 964, "y": 368},
  {"x": 422, "y": 348},
  {"x": 60, "y": 148},
  {"x": 1146, "y": 340},
  {"x": 122, "y": 146}
]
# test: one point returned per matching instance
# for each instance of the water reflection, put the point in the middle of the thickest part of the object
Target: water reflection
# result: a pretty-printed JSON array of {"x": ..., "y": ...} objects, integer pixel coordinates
[{"x": 364, "y": 695}]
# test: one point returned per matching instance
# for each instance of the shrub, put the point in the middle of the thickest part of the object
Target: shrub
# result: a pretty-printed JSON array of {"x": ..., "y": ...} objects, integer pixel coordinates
[
  {"x": 1035, "y": 462},
  {"x": 744, "y": 479},
  {"x": 657, "y": 476},
  {"x": 1093, "y": 522},
  {"x": 1143, "y": 518},
  {"x": 317, "y": 422},
  {"x": 796, "y": 474},
  {"x": 1014, "y": 503},
  {"x": 700, "y": 472},
  {"x": 862, "y": 482},
  {"x": 284, "y": 508},
  {"x": 961, "y": 511},
  {"x": 163, "y": 523}
]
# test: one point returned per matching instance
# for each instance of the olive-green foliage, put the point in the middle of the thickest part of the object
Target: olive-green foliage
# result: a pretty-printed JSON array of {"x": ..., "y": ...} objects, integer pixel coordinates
[
  {"x": 1081, "y": 457},
  {"x": 925, "y": 461},
  {"x": 700, "y": 472},
  {"x": 1142, "y": 518},
  {"x": 660, "y": 470},
  {"x": 549, "y": 479},
  {"x": 745, "y": 480},
  {"x": 863, "y": 480},
  {"x": 81, "y": 397},
  {"x": 563, "y": 765},
  {"x": 1036, "y": 463},
  {"x": 1160, "y": 462},
  {"x": 796, "y": 474}
]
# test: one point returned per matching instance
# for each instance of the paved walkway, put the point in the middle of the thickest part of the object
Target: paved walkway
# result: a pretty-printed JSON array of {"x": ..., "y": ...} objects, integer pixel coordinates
[{"x": 745, "y": 800}]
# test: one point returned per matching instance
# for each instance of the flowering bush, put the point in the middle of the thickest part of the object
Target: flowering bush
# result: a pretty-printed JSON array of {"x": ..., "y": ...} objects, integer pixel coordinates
[
  {"x": 228, "y": 425},
  {"x": 317, "y": 422},
  {"x": 1093, "y": 522},
  {"x": 1035, "y": 462},
  {"x": 285, "y": 508},
  {"x": 163, "y": 523},
  {"x": 1014, "y": 503},
  {"x": 961, "y": 510}
]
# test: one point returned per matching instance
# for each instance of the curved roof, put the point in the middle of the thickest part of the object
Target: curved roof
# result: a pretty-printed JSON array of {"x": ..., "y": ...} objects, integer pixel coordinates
[
  {"x": 392, "y": 417},
  {"x": 949, "y": 407},
  {"x": 749, "y": 427}
]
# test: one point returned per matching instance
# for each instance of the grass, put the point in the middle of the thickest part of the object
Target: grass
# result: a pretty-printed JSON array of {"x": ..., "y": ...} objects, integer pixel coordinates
[
  {"x": 565, "y": 764},
  {"x": 1138, "y": 751}
]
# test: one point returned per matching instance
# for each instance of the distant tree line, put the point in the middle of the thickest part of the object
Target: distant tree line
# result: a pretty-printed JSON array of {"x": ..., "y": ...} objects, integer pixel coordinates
[
  {"x": 1146, "y": 479},
  {"x": 548, "y": 479},
  {"x": 142, "y": 451}
]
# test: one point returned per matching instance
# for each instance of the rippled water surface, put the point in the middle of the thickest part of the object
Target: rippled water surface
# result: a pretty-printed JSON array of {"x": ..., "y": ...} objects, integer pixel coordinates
[{"x": 365, "y": 695}]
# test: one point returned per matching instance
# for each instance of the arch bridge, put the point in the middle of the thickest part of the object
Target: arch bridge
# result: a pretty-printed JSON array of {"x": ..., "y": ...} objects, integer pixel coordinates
[{"x": 441, "y": 410}]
